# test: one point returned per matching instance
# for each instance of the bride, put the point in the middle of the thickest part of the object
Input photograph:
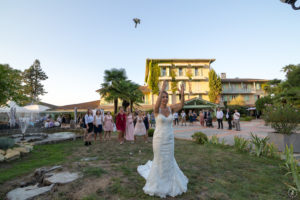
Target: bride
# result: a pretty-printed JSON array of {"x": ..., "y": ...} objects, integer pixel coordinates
[{"x": 163, "y": 176}]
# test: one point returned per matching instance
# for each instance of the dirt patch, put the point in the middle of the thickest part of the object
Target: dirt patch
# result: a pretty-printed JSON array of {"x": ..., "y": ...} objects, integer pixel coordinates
[{"x": 92, "y": 186}]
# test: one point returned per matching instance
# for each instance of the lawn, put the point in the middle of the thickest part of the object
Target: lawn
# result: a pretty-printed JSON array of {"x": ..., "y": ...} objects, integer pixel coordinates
[{"x": 214, "y": 172}]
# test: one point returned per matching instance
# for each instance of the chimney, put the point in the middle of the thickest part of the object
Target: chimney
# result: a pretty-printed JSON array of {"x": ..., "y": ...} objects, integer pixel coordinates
[{"x": 223, "y": 75}]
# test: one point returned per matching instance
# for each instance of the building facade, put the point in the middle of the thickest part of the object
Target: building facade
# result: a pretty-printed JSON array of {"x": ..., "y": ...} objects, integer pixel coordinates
[
  {"x": 250, "y": 89},
  {"x": 193, "y": 73}
]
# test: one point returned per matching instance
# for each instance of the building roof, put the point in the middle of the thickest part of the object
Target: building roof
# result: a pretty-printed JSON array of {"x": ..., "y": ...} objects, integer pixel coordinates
[
  {"x": 226, "y": 80},
  {"x": 85, "y": 105}
]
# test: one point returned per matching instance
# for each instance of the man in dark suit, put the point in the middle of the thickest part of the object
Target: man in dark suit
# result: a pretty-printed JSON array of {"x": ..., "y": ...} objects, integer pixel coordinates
[{"x": 229, "y": 118}]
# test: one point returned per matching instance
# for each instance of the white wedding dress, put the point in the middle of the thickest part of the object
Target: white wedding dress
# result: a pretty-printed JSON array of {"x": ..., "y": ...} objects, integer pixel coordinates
[{"x": 163, "y": 176}]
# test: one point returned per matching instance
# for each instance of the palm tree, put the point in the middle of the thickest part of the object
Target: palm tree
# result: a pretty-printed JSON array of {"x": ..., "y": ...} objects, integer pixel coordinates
[
  {"x": 130, "y": 93},
  {"x": 110, "y": 88}
]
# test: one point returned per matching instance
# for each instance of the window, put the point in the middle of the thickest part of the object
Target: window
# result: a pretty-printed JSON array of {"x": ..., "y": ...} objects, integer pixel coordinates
[
  {"x": 180, "y": 72},
  {"x": 163, "y": 71},
  {"x": 201, "y": 71},
  {"x": 225, "y": 98},
  {"x": 196, "y": 72},
  {"x": 246, "y": 97},
  {"x": 167, "y": 88},
  {"x": 258, "y": 86}
]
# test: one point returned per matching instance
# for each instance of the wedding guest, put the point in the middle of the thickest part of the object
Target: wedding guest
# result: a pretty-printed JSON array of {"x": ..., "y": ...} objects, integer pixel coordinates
[
  {"x": 194, "y": 116},
  {"x": 183, "y": 118},
  {"x": 236, "y": 120},
  {"x": 205, "y": 116},
  {"x": 229, "y": 119},
  {"x": 140, "y": 129},
  {"x": 148, "y": 116},
  {"x": 191, "y": 117},
  {"x": 152, "y": 120},
  {"x": 108, "y": 125},
  {"x": 201, "y": 116},
  {"x": 98, "y": 121},
  {"x": 146, "y": 122},
  {"x": 209, "y": 122},
  {"x": 220, "y": 118},
  {"x": 175, "y": 115},
  {"x": 89, "y": 119},
  {"x": 121, "y": 124},
  {"x": 129, "y": 134}
]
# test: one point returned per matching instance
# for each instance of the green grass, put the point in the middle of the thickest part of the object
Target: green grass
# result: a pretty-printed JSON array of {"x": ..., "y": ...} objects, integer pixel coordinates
[
  {"x": 94, "y": 171},
  {"x": 43, "y": 155},
  {"x": 214, "y": 171}
]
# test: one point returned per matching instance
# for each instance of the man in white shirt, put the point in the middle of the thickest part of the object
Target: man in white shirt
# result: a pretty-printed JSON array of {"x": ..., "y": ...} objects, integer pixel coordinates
[
  {"x": 220, "y": 118},
  {"x": 183, "y": 118},
  {"x": 175, "y": 115},
  {"x": 236, "y": 120}
]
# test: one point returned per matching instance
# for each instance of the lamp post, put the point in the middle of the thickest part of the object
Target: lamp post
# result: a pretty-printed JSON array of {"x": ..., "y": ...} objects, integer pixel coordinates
[{"x": 292, "y": 2}]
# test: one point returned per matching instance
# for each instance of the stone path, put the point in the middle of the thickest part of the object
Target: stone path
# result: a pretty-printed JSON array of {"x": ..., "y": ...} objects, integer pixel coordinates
[{"x": 256, "y": 127}]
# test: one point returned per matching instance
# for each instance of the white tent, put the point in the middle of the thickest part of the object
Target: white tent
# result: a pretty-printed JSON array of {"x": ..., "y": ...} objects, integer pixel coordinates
[
  {"x": 12, "y": 104},
  {"x": 36, "y": 108}
]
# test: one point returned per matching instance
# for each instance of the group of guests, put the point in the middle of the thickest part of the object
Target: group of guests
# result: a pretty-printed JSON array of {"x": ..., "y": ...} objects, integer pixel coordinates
[
  {"x": 235, "y": 117},
  {"x": 205, "y": 118},
  {"x": 128, "y": 125}
]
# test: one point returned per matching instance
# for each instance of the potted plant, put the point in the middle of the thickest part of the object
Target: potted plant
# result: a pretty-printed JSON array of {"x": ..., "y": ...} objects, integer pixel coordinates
[{"x": 284, "y": 119}]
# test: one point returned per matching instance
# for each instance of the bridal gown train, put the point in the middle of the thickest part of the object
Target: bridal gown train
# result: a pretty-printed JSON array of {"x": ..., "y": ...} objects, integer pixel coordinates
[{"x": 163, "y": 176}]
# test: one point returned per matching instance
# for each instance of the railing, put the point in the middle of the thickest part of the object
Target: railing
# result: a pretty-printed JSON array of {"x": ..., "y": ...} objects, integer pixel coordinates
[{"x": 238, "y": 91}]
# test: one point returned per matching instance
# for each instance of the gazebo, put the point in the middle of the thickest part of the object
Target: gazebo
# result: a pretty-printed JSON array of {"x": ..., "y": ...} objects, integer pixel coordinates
[{"x": 199, "y": 104}]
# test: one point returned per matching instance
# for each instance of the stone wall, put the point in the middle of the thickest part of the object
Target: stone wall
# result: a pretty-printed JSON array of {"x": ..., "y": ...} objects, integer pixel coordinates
[{"x": 8, "y": 132}]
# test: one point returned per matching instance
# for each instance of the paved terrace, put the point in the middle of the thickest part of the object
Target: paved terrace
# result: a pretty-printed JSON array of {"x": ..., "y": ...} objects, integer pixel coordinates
[{"x": 255, "y": 126}]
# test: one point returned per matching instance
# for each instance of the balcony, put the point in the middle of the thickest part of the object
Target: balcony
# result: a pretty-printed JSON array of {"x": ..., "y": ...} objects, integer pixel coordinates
[{"x": 238, "y": 91}]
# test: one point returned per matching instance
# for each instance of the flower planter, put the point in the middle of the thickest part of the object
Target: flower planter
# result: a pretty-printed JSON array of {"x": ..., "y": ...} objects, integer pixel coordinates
[{"x": 281, "y": 140}]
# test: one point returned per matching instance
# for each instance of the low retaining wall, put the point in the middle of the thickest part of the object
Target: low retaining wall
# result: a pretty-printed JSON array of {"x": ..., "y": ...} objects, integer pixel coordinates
[{"x": 8, "y": 132}]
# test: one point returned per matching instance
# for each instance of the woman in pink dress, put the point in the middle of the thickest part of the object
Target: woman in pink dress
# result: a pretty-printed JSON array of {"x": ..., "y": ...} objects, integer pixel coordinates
[
  {"x": 201, "y": 115},
  {"x": 108, "y": 125},
  {"x": 140, "y": 129},
  {"x": 129, "y": 133}
]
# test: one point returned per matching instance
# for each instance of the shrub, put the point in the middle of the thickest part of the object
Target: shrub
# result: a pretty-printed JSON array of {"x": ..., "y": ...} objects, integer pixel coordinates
[
  {"x": 261, "y": 147},
  {"x": 200, "y": 137},
  {"x": 214, "y": 140},
  {"x": 292, "y": 169},
  {"x": 283, "y": 118},
  {"x": 240, "y": 144},
  {"x": 150, "y": 132},
  {"x": 247, "y": 118},
  {"x": 6, "y": 143}
]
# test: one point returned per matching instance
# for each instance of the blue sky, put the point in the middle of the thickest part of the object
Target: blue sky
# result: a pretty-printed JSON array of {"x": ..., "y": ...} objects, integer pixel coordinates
[{"x": 76, "y": 41}]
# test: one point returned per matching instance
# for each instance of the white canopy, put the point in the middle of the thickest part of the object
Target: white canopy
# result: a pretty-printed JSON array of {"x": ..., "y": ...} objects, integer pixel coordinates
[
  {"x": 12, "y": 104},
  {"x": 36, "y": 108}
]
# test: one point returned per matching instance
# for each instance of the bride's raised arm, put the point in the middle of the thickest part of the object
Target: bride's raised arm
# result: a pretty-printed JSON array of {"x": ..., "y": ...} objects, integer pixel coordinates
[
  {"x": 158, "y": 101},
  {"x": 178, "y": 107}
]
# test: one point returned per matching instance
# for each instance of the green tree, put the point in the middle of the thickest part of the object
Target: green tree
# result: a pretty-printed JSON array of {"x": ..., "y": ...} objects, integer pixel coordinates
[
  {"x": 152, "y": 81},
  {"x": 32, "y": 78},
  {"x": 174, "y": 85},
  {"x": 215, "y": 86},
  {"x": 110, "y": 88},
  {"x": 189, "y": 74},
  {"x": 130, "y": 94},
  {"x": 262, "y": 102},
  {"x": 11, "y": 87}
]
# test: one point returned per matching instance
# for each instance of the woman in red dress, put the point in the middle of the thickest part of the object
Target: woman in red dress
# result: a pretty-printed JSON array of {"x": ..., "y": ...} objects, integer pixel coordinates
[{"x": 121, "y": 124}]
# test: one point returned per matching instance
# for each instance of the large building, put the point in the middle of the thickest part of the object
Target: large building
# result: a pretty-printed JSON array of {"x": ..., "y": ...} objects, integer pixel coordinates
[
  {"x": 250, "y": 89},
  {"x": 193, "y": 73}
]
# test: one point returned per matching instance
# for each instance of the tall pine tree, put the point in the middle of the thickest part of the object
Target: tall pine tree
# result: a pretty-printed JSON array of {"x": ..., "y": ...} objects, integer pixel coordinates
[
  {"x": 215, "y": 86},
  {"x": 33, "y": 76}
]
